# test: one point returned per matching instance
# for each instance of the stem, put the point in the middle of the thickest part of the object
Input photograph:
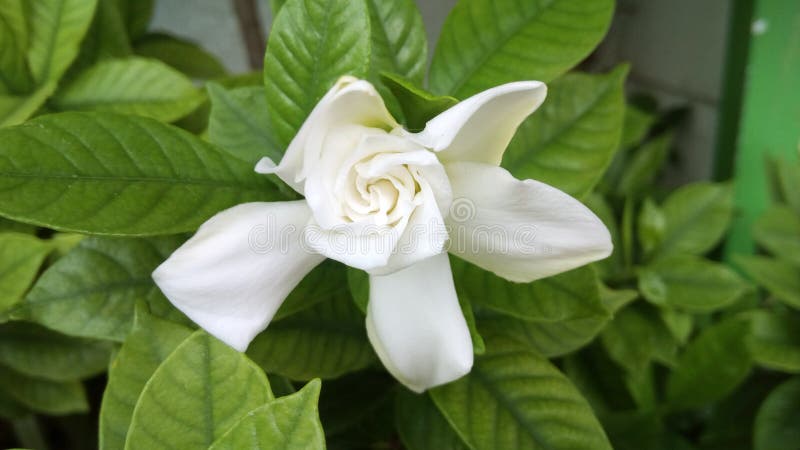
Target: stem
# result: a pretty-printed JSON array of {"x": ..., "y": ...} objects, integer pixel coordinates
[{"x": 252, "y": 31}]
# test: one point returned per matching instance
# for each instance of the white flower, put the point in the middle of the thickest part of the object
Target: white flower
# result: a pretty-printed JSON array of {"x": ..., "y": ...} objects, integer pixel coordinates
[{"x": 377, "y": 198}]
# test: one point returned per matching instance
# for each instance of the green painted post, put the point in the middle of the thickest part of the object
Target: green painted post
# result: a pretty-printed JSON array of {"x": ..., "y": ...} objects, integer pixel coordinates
[{"x": 770, "y": 119}]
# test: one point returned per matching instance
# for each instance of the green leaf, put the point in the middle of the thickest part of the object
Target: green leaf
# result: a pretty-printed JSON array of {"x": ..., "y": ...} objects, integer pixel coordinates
[
  {"x": 514, "y": 398},
  {"x": 56, "y": 30},
  {"x": 145, "y": 87},
  {"x": 13, "y": 70},
  {"x": 774, "y": 340},
  {"x": 787, "y": 174},
  {"x": 602, "y": 208},
  {"x": 180, "y": 54},
  {"x": 776, "y": 423},
  {"x": 290, "y": 422},
  {"x": 103, "y": 40},
  {"x": 148, "y": 345},
  {"x": 41, "y": 353},
  {"x": 240, "y": 124},
  {"x": 92, "y": 291},
  {"x": 123, "y": 175},
  {"x": 44, "y": 396},
  {"x": 275, "y": 6},
  {"x": 711, "y": 366},
  {"x": 636, "y": 337},
  {"x": 324, "y": 282},
  {"x": 643, "y": 166},
  {"x": 398, "y": 45},
  {"x": 21, "y": 256},
  {"x": 778, "y": 231},
  {"x": 17, "y": 109},
  {"x": 697, "y": 217},
  {"x": 570, "y": 140},
  {"x": 651, "y": 226},
  {"x": 571, "y": 295},
  {"x": 421, "y": 426},
  {"x": 198, "y": 393},
  {"x": 690, "y": 283},
  {"x": 358, "y": 282},
  {"x": 485, "y": 43},
  {"x": 311, "y": 45},
  {"x": 398, "y": 42},
  {"x": 781, "y": 279},
  {"x": 550, "y": 339},
  {"x": 325, "y": 341},
  {"x": 418, "y": 105},
  {"x": 636, "y": 125},
  {"x": 137, "y": 15}
]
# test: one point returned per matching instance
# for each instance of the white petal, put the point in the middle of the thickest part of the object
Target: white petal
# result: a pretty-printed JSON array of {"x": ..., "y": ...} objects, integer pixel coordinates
[
  {"x": 520, "y": 230},
  {"x": 416, "y": 326},
  {"x": 479, "y": 128},
  {"x": 235, "y": 272},
  {"x": 349, "y": 102}
]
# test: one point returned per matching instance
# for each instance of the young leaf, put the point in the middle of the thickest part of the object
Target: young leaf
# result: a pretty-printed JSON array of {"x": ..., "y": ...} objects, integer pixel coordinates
[
  {"x": 311, "y": 45},
  {"x": 182, "y": 55},
  {"x": 778, "y": 231},
  {"x": 131, "y": 86},
  {"x": 514, "y": 398},
  {"x": 781, "y": 279},
  {"x": 776, "y": 423},
  {"x": 198, "y": 393},
  {"x": 643, "y": 166},
  {"x": 651, "y": 226},
  {"x": 774, "y": 340},
  {"x": 570, "y": 140},
  {"x": 40, "y": 353},
  {"x": 489, "y": 42},
  {"x": 123, "y": 175},
  {"x": 690, "y": 283},
  {"x": 711, "y": 366},
  {"x": 697, "y": 217},
  {"x": 56, "y": 30},
  {"x": 636, "y": 337},
  {"x": 44, "y": 396},
  {"x": 17, "y": 109},
  {"x": 325, "y": 341},
  {"x": 240, "y": 124},
  {"x": 92, "y": 291},
  {"x": 21, "y": 256},
  {"x": 151, "y": 341},
  {"x": 418, "y": 105},
  {"x": 288, "y": 423},
  {"x": 421, "y": 426}
]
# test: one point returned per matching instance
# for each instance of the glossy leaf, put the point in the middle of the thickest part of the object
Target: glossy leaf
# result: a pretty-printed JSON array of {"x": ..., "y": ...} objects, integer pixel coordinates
[
  {"x": 37, "y": 352},
  {"x": 113, "y": 174},
  {"x": 697, "y": 217},
  {"x": 690, "y": 283},
  {"x": 421, "y": 426},
  {"x": 651, "y": 226},
  {"x": 398, "y": 42},
  {"x": 21, "y": 256},
  {"x": 92, "y": 291},
  {"x": 198, "y": 393},
  {"x": 240, "y": 124},
  {"x": 44, "y": 396},
  {"x": 287, "y": 423},
  {"x": 514, "y": 398},
  {"x": 711, "y": 366},
  {"x": 781, "y": 279},
  {"x": 324, "y": 283},
  {"x": 151, "y": 341},
  {"x": 570, "y": 140},
  {"x": 774, "y": 340},
  {"x": 311, "y": 45},
  {"x": 637, "y": 337},
  {"x": 56, "y": 30},
  {"x": 778, "y": 231},
  {"x": 776, "y": 423},
  {"x": 418, "y": 105},
  {"x": 138, "y": 86},
  {"x": 17, "y": 109},
  {"x": 643, "y": 166},
  {"x": 182, "y": 55},
  {"x": 484, "y": 43},
  {"x": 325, "y": 341}
]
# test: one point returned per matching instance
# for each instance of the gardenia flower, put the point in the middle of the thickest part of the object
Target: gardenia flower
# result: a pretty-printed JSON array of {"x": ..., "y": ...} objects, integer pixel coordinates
[{"x": 378, "y": 198}]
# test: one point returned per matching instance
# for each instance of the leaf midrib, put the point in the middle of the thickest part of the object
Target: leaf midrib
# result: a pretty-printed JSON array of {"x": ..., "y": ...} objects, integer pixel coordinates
[{"x": 133, "y": 179}]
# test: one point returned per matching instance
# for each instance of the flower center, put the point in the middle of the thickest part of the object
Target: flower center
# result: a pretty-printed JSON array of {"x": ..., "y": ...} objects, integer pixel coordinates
[{"x": 379, "y": 192}]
